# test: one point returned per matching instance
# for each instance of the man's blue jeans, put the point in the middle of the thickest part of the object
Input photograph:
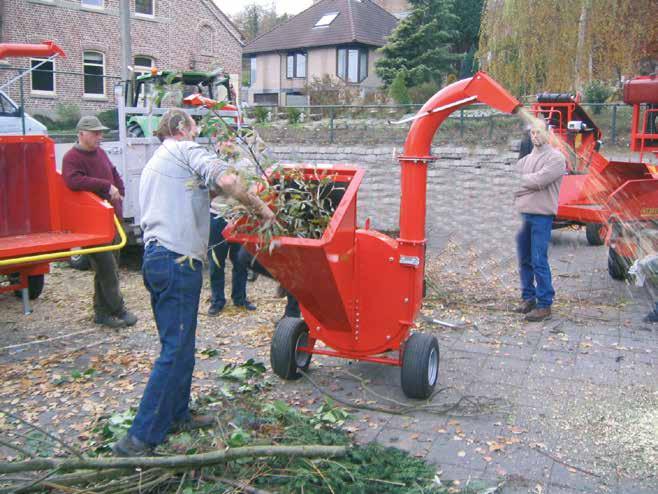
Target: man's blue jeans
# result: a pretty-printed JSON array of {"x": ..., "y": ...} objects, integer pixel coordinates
[
  {"x": 222, "y": 249},
  {"x": 175, "y": 288},
  {"x": 532, "y": 250}
]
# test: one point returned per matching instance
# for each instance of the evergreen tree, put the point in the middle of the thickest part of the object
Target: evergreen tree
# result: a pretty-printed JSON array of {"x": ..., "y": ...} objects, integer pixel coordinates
[
  {"x": 398, "y": 90},
  {"x": 421, "y": 44}
]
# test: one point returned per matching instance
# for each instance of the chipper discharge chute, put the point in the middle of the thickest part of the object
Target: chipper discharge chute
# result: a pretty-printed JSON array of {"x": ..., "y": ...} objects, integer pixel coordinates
[
  {"x": 360, "y": 290},
  {"x": 41, "y": 219}
]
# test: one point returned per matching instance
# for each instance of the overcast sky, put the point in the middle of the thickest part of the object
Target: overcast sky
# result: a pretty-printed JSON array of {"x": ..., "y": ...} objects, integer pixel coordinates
[{"x": 232, "y": 7}]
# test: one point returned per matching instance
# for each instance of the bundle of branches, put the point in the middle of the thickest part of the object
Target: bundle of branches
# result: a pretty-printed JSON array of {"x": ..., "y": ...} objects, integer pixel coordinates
[{"x": 303, "y": 203}]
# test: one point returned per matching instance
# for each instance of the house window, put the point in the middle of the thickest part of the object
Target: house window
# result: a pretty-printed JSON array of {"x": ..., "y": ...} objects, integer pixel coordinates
[
  {"x": 352, "y": 64},
  {"x": 143, "y": 65},
  {"x": 43, "y": 77},
  {"x": 145, "y": 7},
  {"x": 269, "y": 99},
  {"x": 296, "y": 66},
  {"x": 252, "y": 71},
  {"x": 326, "y": 19},
  {"x": 94, "y": 70},
  {"x": 96, "y": 4}
]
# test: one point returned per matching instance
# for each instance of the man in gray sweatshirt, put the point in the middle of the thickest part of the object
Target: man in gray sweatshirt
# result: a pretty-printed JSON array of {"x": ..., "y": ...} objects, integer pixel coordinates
[
  {"x": 174, "y": 198},
  {"x": 536, "y": 200}
]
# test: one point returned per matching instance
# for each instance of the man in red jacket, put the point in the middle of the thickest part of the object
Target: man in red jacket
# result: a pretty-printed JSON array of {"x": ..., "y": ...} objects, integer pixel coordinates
[{"x": 87, "y": 167}]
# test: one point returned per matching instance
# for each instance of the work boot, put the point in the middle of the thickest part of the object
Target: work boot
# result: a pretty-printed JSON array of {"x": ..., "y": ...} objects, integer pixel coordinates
[
  {"x": 131, "y": 446},
  {"x": 651, "y": 317},
  {"x": 193, "y": 423},
  {"x": 215, "y": 309},
  {"x": 246, "y": 305},
  {"x": 109, "y": 321},
  {"x": 526, "y": 306},
  {"x": 280, "y": 291},
  {"x": 538, "y": 314},
  {"x": 128, "y": 317}
]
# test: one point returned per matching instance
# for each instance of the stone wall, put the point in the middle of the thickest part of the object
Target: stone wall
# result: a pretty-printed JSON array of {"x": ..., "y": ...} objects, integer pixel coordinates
[{"x": 469, "y": 191}]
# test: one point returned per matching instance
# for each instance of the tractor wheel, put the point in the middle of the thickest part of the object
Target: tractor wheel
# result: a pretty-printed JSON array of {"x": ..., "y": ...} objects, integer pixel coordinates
[
  {"x": 595, "y": 233},
  {"x": 618, "y": 265},
  {"x": 34, "y": 286},
  {"x": 420, "y": 366},
  {"x": 134, "y": 130},
  {"x": 290, "y": 334},
  {"x": 79, "y": 262}
]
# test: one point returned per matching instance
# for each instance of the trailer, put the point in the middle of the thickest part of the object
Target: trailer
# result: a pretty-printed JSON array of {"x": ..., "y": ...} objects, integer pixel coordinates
[
  {"x": 616, "y": 201},
  {"x": 41, "y": 219}
]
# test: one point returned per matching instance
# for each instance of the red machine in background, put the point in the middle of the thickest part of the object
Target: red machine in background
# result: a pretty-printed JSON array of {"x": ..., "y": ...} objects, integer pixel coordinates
[
  {"x": 41, "y": 219},
  {"x": 616, "y": 201},
  {"x": 360, "y": 291}
]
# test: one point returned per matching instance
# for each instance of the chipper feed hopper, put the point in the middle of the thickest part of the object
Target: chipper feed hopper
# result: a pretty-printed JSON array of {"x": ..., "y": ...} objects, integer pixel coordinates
[
  {"x": 41, "y": 219},
  {"x": 360, "y": 290}
]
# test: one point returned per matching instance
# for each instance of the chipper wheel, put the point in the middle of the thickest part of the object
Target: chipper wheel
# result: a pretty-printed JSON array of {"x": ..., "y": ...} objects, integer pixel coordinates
[
  {"x": 420, "y": 366},
  {"x": 595, "y": 233},
  {"x": 290, "y": 334}
]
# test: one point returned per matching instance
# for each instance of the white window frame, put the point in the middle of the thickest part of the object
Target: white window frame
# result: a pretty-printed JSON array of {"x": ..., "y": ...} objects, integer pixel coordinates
[
  {"x": 142, "y": 69},
  {"x": 103, "y": 64},
  {"x": 94, "y": 7},
  {"x": 39, "y": 91},
  {"x": 140, "y": 14}
]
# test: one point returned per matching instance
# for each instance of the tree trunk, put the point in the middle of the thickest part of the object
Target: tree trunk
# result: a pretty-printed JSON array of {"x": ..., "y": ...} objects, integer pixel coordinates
[{"x": 580, "y": 47}]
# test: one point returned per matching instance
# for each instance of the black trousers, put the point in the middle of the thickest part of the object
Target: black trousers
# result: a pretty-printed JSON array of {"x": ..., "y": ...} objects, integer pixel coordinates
[{"x": 292, "y": 306}]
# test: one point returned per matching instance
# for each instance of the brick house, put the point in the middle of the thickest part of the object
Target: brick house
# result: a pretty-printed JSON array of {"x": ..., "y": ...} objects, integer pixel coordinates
[
  {"x": 168, "y": 34},
  {"x": 335, "y": 37}
]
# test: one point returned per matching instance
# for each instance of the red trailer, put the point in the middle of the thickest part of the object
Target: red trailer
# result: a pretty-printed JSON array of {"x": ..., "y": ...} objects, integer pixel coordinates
[
  {"x": 616, "y": 201},
  {"x": 41, "y": 219},
  {"x": 360, "y": 290}
]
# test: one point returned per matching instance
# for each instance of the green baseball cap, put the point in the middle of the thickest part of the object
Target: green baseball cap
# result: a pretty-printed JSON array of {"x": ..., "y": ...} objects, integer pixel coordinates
[{"x": 90, "y": 123}]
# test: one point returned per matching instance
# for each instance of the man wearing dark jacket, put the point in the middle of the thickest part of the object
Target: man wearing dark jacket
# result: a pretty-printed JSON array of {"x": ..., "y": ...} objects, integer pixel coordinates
[{"x": 87, "y": 167}]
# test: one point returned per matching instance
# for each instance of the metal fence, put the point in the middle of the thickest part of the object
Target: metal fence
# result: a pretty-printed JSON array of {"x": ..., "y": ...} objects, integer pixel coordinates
[
  {"x": 613, "y": 119},
  {"x": 331, "y": 121}
]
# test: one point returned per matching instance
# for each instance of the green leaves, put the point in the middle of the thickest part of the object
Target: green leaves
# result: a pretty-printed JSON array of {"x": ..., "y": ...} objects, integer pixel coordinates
[
  {"x": 242, "y": 372},
  {"x": 330, "y": 415}
]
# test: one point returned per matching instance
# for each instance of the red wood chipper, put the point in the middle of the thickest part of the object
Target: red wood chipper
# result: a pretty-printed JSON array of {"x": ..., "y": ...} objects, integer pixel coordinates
[
  {"x": 360, "y": 290},
  {"x": 617, "y": 201},
  {"x": 41, "y": 219}
]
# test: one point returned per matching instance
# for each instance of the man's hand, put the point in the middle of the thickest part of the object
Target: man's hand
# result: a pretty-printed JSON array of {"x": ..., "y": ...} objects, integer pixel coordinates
[{"x": 115, "y": 195}]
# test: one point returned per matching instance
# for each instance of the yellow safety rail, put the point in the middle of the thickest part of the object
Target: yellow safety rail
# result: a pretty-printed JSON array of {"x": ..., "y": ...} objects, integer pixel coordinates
[{"x": 68, "y": 253}]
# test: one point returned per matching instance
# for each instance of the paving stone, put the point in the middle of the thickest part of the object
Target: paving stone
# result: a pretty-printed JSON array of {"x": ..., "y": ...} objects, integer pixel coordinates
[
  {"x": 519, "y": 461},
  {"x": 596, "y": 370},
  {"x": 416, "y": 444},
  {"x": 505, "y": 370},
  {"x": 570, "y": 478},
  {"x": 452, "y": 450}
]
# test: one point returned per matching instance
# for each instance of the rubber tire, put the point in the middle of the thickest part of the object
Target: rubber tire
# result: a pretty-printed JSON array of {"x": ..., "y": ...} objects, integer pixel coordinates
[
  {"x": 251, "y": 275},
  {"x": 34, "y": 287},
  {"x": 289, "y": 332},
  {"x": 134, "y": 130},
  {"x": 617, "y": 265},
  {"x": 417, "y": 352},
  {"x": 80, "y": 262},
  {"x": 593, "y": 234}
]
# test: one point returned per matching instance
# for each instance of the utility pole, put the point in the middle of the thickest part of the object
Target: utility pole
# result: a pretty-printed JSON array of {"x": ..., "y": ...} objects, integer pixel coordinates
[{"x": 126, "y": 57}]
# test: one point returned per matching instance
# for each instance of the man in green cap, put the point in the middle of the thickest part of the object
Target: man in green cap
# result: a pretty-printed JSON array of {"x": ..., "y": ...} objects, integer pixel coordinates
[{"x": 87, "y": 167}]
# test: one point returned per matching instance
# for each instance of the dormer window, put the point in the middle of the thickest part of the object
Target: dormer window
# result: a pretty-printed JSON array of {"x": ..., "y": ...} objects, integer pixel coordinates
[{"x": 326, "y": 19}]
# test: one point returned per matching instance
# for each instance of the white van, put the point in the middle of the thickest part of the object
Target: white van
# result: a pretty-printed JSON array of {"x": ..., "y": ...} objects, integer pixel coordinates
[{"x": 11, "y": 119}]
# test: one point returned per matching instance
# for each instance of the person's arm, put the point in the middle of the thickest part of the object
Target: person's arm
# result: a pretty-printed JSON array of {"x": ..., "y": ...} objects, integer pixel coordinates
[
  {"x": 76, "y": 177},
  {"x": 553, "y": 169},
  {"x": 215, "y": 173}
]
